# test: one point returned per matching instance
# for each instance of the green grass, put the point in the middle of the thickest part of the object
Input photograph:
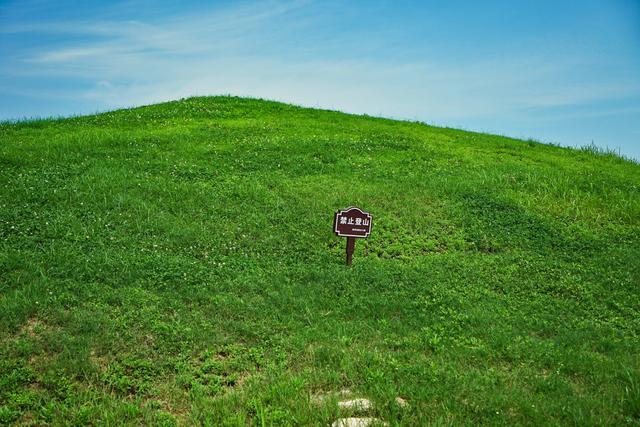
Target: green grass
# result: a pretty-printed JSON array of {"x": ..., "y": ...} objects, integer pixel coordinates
[{"x": 174, "y": 264}]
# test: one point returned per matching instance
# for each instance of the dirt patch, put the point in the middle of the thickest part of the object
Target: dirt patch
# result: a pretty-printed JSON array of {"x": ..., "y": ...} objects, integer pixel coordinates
[
  {"x": 31, "y": 327},
  {"x": 100, "y": 362},
  {"x": 34, "y": 328},
  {"x": 179, "y": 412}
]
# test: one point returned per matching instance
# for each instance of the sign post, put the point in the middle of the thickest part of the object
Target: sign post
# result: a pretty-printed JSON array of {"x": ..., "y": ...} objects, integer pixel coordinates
[{"x": 352, "y": 223}]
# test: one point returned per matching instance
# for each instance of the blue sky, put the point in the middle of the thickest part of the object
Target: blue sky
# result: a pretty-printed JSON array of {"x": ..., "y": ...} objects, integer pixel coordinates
[{"x": 558, "y": 71}]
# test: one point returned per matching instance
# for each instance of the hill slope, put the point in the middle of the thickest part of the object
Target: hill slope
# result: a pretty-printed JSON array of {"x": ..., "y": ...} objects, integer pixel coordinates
[{"x": 175, "y": 264}]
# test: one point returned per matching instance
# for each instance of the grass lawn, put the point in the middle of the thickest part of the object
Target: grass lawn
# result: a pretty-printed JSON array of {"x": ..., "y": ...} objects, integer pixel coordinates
[{"x": 175, "y": 264}]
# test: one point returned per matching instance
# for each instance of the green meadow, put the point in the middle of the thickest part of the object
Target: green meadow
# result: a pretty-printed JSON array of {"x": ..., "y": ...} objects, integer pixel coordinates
[{"x": 175, "y": 265}]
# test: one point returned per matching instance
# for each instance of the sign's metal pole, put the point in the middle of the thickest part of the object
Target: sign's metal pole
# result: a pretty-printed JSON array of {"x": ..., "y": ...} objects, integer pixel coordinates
[{"x": 351, "y": 246}]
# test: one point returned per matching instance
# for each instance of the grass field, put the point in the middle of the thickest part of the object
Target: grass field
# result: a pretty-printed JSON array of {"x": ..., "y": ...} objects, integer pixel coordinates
[{"x": 175, "y": 264}]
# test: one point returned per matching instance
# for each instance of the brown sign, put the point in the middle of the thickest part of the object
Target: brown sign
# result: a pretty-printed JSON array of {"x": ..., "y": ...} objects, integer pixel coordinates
[{"x": 352, "y": 223}]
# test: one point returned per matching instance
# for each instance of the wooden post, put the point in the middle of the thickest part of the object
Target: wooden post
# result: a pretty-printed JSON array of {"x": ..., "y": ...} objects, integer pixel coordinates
[
  {"x": 351, "y": 246},
  {"x": 352, "y": 223}
]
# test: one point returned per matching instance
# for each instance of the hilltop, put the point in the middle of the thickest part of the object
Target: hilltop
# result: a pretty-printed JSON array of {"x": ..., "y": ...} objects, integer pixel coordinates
[{"x": 175, "y": 264}]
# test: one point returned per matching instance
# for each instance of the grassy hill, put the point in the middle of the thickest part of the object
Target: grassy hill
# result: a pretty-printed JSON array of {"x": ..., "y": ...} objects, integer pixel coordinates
[{"x": 175, "y": 264}]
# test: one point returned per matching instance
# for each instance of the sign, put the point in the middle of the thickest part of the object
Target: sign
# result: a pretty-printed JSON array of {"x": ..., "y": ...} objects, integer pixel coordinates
[{"x": 352, "y": 223}]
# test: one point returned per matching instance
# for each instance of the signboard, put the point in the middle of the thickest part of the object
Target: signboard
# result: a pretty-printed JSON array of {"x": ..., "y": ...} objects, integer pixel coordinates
[{"x": 352, "y": 223}]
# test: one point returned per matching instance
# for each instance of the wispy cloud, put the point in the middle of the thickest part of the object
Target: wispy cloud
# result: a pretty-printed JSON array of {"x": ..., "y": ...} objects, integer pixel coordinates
[
  {"x": 219, "y": 51},
  {"x": 282, "y": 50}
]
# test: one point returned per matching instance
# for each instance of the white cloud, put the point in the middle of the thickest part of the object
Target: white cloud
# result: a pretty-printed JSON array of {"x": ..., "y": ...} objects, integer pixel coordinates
[{"x": 253, "y": 49}]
